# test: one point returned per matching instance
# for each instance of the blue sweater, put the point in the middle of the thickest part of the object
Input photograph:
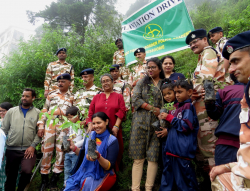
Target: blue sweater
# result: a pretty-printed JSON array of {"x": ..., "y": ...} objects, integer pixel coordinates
[
  {"x": 174, "y": 76},
  {"x": 182, "y": 135},
  {"x": 227, "y": 108}
]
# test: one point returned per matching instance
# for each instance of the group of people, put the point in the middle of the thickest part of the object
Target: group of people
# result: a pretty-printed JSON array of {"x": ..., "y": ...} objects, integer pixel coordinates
[{"x": 210, "y": 132}]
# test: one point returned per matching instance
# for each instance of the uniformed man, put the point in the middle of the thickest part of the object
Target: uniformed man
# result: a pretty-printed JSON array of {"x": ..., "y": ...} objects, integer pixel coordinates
[
  {"x": 119, "y": 59},
  {"x": 236, "y": 176},
  {"x": 52, "y": 134},
  {"x": 55, "y": 69},
  {"x": 209, "y": 66},
  {"x": 217, "y": 37},
  {"x": 120, "y": 86},
  {"x": 84, "y": 96},
  {"x": 139, "y": 68}
]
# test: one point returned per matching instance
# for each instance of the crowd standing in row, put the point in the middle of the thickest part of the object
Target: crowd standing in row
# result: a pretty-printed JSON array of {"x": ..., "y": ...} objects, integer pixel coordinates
[{"x": 210, "y": 132}]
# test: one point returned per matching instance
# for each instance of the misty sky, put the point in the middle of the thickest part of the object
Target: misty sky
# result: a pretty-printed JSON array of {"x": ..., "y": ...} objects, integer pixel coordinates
[{"x": 13, "y": 12}]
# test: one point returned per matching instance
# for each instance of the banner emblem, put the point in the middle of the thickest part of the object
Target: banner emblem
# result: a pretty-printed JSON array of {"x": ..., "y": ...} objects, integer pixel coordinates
[{"x": 152, "y": 31}]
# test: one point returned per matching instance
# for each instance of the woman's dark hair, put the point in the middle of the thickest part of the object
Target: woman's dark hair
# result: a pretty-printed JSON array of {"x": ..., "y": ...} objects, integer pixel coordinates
[
  {"x": 168, "y": 56},
  {"x": 167, "y": 84},
  {"x": 103, "y": 117},
  {"x": 6, "y": 105},
  {"x": 147, "y": 79},
  {"x": 184, "y": 83},
  {"x": 73, "y": 110},
  {"x": 30, "y": 90}
]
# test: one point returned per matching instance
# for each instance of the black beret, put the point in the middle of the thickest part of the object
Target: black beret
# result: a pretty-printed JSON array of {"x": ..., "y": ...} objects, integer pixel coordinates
[
  {"x": 216, "y": 29},
  {"x": 61, "y": 49},
  {"x": 239, "y": 41},
  {"x": 113, "y": 67},
  {"x": 139, "y": 50},
  {"x": 199, "y": 33},
  {"x": 65, "y": 76},
  {"x": 87, "y": 71},
  {"x": 119, "y": 39}
]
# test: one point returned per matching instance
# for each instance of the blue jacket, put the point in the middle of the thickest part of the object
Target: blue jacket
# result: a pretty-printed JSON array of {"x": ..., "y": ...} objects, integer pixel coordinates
[
  {"x": 227, "y": 108},
  {"x": 182, "y": 135}
]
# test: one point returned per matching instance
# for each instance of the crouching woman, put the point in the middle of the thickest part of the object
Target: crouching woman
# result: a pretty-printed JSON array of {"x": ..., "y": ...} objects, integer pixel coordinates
[{"x": 96, "y": 174}]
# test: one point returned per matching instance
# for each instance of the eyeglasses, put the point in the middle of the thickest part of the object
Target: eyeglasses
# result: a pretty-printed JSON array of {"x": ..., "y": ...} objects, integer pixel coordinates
[
  {"x": 1, "y": 111},
  {"x": 194, "y": 42},
  {"x": 106, "y": 81},
  {"x": 152, "y": 67}
]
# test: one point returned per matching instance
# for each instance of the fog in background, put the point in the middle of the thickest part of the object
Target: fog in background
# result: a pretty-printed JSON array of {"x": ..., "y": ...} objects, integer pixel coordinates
[{"x": 13, "y": 12}]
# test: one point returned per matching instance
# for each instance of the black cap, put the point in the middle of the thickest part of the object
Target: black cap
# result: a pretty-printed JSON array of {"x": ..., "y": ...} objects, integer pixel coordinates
[
  {"x": 239, "y": 41},
  {"x": 113, "y": 67},
  {"x": 119, "y": 39},
  {"x": 87, "y": 71},
  {"x": 216, "y": 29},
  {"x": 61, "y": 49},
  {"x": 138, "y": 50},
  {"x": 65, "y": 76},
  {"x": 199, "y": 33}
]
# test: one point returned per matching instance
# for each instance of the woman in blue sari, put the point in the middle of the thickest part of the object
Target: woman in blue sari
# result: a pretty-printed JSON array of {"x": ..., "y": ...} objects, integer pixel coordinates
[{"x": 96, "y": 174}]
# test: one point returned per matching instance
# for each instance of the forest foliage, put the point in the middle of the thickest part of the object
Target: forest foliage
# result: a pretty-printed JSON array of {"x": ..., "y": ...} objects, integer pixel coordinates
[{"x": 92, "y": 45}]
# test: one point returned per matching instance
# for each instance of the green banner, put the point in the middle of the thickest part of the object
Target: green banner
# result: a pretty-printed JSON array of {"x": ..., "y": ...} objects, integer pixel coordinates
[{"x": 160, "y": 27}]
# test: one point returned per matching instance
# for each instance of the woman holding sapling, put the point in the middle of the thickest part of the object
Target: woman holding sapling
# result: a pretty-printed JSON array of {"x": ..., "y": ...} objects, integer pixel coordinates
[
  {"x": 113, "y": 105},
  {"x": 168, "y": 63},
  {"x": 147, "y": 101},
  {"x": 96, "y": 174}
]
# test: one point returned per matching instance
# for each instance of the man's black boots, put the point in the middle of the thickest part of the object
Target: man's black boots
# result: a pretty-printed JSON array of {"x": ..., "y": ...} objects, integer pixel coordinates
[
  {"x": 54, "y": 180},
  {"x": 45, "y": 181}
]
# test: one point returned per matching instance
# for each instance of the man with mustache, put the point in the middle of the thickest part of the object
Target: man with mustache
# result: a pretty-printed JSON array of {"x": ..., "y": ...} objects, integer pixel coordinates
[
  {"x": 210, "y": 65},
  {"x": 84, "y": 96},
  {"x": 20, "y": 125},
  {"x": 60, "y": 99},
  {"x": 235, "y": 175},
  {"x": 55, "y": 69}
]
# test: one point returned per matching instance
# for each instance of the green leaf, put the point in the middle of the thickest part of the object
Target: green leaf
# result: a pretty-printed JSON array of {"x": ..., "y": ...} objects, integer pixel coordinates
[
  {"x": 48, "y": 122},
  {"x": 47, "y": 115},
  {"x": 55, "y": 121},
  {"x": 75, "y": 127},
  {"x": 53, "y": 110},
  {"x": 40, "y": 115},
  {"x": 66, "y": 125}
]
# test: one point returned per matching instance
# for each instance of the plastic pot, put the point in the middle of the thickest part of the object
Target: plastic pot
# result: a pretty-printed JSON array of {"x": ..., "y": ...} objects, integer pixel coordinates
[
  {"x": 91, "y": 149},
  {"x": 209, "y": 88},
  {"x": 66, "y": 144}
]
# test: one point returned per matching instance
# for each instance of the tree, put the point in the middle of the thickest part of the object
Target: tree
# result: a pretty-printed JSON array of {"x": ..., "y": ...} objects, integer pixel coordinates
[
  {"x": 79, "y": 13},
  {"x": 26, "y": 66}
]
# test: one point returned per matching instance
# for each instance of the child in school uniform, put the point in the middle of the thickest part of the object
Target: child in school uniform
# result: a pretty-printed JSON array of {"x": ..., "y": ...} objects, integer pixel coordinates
[
  {"x": 181, "y": 143},
  {"x": 72, "y": 113}
]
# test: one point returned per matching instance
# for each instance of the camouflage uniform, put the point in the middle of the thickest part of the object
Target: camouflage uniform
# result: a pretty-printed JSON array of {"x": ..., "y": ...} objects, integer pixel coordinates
[
  {"x": 219, "y": 47},
  {"x": 207, "y": 67},
  {"x": 54, "y": 70},
  {"x": 53, "y": 135},
  {"x": 119, "y": 59},
  {"x": 239, "y": 178},
  {"x": 83, "y": 97},
  {"x": 122, "y": 87},
  {"x": 138, "y": 72}
]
